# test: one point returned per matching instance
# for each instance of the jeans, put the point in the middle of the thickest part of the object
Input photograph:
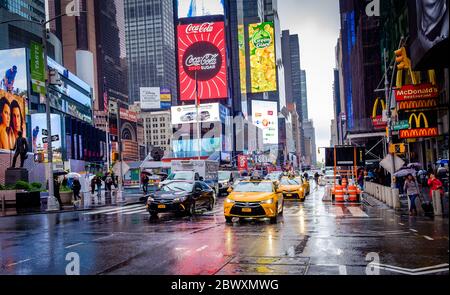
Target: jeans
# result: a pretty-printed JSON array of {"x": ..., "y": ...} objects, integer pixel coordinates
[{"x": 412, "y": 199}]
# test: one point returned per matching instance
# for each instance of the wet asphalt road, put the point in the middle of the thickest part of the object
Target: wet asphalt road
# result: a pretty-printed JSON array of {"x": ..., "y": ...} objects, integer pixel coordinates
[{"x": 311, "y": 238}]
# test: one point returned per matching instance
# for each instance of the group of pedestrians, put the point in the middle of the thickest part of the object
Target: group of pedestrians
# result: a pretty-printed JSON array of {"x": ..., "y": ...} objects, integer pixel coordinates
[{"x": 97, "y": 183}]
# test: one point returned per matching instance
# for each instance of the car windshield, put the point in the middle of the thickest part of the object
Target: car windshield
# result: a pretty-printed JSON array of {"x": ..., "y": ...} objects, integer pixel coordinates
[
  {"x": 177, "y": 187},
  {"x": 273, "y": 176},
  {"x": 286, "y": 181},
  {"x": 224, "y": 175},
  {"x": 185, "y": 175},
  {"x": 260, "y": 187}
]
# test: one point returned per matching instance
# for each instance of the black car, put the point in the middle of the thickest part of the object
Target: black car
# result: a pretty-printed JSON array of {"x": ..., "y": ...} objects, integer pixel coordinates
[{"x": 181, "y": 197}]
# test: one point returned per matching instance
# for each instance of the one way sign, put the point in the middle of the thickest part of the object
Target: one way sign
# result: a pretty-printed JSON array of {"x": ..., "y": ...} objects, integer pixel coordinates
[{"x": 54, "y": 138}]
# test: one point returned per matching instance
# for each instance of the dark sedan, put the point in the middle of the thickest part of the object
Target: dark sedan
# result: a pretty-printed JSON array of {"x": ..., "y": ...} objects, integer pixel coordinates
[{"x": 181, "y": 197}]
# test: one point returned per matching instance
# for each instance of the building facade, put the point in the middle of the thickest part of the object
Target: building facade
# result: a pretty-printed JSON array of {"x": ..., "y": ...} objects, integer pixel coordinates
[
  {"x": 150, "y": 46},
  {"x": 157, "y": 130}
]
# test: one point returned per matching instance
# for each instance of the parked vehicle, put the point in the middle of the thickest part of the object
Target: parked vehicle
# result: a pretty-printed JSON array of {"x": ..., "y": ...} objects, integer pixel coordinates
[{"x": 226, "y": 180}]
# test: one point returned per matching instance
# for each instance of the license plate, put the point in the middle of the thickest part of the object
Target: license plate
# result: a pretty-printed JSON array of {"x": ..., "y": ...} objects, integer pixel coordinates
[
  {"x": 161, "y": 206},
  {"x": 246, "y": 210},
  {"x": 288, "y": 195}
]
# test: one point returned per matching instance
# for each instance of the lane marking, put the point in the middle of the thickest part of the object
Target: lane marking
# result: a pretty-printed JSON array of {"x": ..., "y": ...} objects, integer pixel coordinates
[
  {"x": 387, "y": 266},
  {"x": 357, "y": 212},
  {"x": 74, "y": 245},
  {"x": 337, "y": 211},
  {"x": 201, "y": 248},
  {"x": 414, "y": 273},
  {"x": 111, "y": 209},
  {"x": 413, "y": 230},
  {"x": 101, "y": 238},
  {"x": 401, "y": 223},
  {"x": 125, "y": 210},
  {"x": 18, "y": 262},
  {"x": 428, "y": 238}
]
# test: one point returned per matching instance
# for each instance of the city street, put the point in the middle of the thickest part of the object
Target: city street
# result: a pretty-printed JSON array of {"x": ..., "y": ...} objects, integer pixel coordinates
[{"x": 311, "y": 238}]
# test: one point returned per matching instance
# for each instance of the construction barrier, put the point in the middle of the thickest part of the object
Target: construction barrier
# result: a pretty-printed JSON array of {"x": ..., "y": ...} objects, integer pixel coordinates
[{"x": 387, "y": 195}]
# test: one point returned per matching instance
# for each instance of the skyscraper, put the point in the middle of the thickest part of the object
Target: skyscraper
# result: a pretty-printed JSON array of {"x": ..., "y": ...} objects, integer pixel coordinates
[
  {"x": 150, "y": 46},
  {"x": 304, "y": 95}
]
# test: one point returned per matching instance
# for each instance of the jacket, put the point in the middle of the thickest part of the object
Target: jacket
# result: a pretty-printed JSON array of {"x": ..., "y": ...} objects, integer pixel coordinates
[
  {"x": 411, "y": 187},
  {"x": 435, "y": 184}
]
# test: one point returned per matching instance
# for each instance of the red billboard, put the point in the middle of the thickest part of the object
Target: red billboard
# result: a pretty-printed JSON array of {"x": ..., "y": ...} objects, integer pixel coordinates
[
  {"x": 415, "y": 92},
  {"x": 201, "y": 54}
]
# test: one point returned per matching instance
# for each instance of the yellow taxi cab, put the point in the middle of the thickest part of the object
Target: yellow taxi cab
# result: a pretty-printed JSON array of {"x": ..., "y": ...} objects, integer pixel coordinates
[
  {"x": 254, "y": 198},
  {"x": 305, "y": 184},
  {"x": 292, "y": 188}
]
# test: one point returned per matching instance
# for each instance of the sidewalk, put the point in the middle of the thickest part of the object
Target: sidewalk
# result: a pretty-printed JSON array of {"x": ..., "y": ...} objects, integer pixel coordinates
[{"x": 131, "y": 196}]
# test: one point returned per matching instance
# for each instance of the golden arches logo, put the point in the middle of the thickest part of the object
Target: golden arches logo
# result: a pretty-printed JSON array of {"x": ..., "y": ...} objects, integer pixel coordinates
[
  {"x": 417, "y": 120},
  {"x": 375, "y": 106},
  {"x": 417, "y": 104}
]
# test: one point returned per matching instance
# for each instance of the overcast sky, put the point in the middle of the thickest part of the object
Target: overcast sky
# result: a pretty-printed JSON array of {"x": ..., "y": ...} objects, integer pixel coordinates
[{"x": 317, "y": 23}]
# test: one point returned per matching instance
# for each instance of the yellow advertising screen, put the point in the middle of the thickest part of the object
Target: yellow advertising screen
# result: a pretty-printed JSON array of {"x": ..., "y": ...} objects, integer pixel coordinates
[
  {"x": 262, "y": 57},
  {"x": 242, "y": 61},
  {"x": 12, "y": 119}
]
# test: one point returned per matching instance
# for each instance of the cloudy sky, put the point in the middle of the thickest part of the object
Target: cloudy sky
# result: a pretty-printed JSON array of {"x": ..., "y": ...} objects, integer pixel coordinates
[{"x": 317, "y": 23}]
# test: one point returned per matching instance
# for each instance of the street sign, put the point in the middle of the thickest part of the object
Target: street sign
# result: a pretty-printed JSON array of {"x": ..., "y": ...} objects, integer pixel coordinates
[
  {"x": 404, "y": 124},
  {"x": 386, "y": 163},
  {"x": 54, "y": 138},
  {"x": 45, "y": 132}
]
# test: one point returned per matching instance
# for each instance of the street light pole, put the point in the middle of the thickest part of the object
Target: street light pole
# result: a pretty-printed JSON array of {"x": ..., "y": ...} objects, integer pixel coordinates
[
  {"x": 387, "y": 88},
  {"x": 197, "y": 107}
]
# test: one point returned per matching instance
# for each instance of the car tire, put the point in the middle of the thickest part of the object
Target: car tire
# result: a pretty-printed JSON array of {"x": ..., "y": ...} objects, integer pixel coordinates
[
  {"x": 191, "y": 211},
  {"x": 273, "y": 220},
  {"x": 228, "y": 219},
  {"x": 211, "y": 204},
  {"x": 282, "y": 209}
]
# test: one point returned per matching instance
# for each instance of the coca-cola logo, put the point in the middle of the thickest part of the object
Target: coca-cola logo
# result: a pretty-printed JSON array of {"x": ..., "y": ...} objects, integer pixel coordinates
[
  {"x": 204, "y": 58},
  {"x": 199, "y": 28}
]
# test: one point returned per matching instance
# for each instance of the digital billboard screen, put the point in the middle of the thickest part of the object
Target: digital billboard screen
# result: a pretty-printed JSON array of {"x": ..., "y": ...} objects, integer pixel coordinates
[
  {"x": 262, "y": 57},
  {"x": 39, "y": 139},
  {"x": 202, "y": 56},
  {"x": 265, "y": 116},
  {"x": 194, "y": 8},
  {"x": 13, "y": 71}
]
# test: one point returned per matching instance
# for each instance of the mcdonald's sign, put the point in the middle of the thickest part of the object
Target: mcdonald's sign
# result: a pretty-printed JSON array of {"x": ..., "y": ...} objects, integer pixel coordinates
[
  {"x": 419, "y": 126},
  {"x": 377, "y": 119},
  {"x": 417, "y": 104},
  {"x": 415, "y": 92}
]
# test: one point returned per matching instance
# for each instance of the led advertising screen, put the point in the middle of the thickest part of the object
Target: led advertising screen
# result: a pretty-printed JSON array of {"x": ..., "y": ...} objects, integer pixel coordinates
[
  {"x": 39, "y": 140},
  {"x": 188, "y": 113},
  {"x": 12, "y": 119},
  {"x": 265, "y": 116},
  {"x": 194, "y": 8},
  {"x": 262, "y": 57},
  {"x": 201, "y": 56}
]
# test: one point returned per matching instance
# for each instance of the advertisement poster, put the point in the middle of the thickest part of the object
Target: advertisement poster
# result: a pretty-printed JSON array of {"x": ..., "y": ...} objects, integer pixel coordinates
[
  {"x": 421, "y": 124},
  {"x": 13, "y": 71},
  {"x": 242, "y": 61},
  {"x": 189, "y": 147},
  {"x": 39, "y": 140},
  {"x": 188, "y": 113},
  {"x": 37, "y": 68},
  {"x": 166, "y": 98},
  {"x": 150, "y": 97},
  {"x": 194, "y": 8},
  {"x": 262, "y": 57},
  {"x": 242, "y": 163},
  {"x": 12, "y": 119},
  {"x": 202, "y": 57},
  {"x": 265, "y": 116}
]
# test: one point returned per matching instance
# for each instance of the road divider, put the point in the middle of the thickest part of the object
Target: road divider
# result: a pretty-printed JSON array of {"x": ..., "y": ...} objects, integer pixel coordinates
[{"x": 387, "y": 195}]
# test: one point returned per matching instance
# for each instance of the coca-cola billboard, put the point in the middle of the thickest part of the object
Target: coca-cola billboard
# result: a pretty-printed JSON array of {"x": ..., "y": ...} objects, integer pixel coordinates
[{"x": 201, "y": 57}]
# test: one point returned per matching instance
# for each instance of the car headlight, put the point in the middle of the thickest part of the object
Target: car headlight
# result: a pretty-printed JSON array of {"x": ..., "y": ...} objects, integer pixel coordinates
[
  {"x": 179, "y": 200},
  {"x": 149, "y": 200},
  {"x": 229, "y": 201},
  {"x": 269, "y": 201}
]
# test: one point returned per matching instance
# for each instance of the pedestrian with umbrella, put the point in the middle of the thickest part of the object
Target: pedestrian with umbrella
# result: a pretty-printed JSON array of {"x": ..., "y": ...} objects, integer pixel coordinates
[{"x": 76, "y": 188}]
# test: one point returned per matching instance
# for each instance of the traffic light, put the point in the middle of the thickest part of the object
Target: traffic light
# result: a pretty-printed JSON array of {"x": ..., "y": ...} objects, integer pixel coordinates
[
  {"x": 115, "y": 156},
  {"x": 402, "y": 60}
]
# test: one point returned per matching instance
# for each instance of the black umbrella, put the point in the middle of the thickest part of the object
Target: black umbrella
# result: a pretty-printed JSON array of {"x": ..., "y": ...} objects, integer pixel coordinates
[{"x": 59, "y": 172}]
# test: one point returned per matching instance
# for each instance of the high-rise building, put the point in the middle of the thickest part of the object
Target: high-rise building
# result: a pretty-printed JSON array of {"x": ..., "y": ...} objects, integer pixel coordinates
[
  {"x": 19, "y": 34},
  {"x": 310, "y": 143},
  {"x": 150, "y": 46},
  {"x": 304, "y": 95}
]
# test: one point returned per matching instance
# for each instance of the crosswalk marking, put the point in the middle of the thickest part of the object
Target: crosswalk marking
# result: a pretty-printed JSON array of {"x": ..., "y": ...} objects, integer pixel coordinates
[
  {"x": 111, "y": 209},
  {"x": 123, "y": 210},
  {"x": 136, "y": 211},
  {"x": 357, "y": 212},
  {"x": 337, "y": 211}
]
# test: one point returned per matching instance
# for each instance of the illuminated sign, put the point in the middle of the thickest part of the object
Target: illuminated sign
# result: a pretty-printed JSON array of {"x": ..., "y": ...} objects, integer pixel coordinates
[
  {"x": 194, "y": 8},
  {"x": 415, "y": 92},
  {"x": 377, "y": 119},
  {"x": 128, "y": 115},
  {"x": 12, "y": 119},
  {"x": 423, "y": 124},
  {"x": 202, "y": 57},
  {"x": 187, "y": 114},
  {"x": 262, "y": 57},
  {"x": 265, "y": 116},
  {"x": 418, "y": 104}
]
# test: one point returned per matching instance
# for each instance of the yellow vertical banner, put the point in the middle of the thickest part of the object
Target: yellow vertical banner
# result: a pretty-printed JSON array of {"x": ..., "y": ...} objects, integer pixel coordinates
[{"x": 262, "y": 57}]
